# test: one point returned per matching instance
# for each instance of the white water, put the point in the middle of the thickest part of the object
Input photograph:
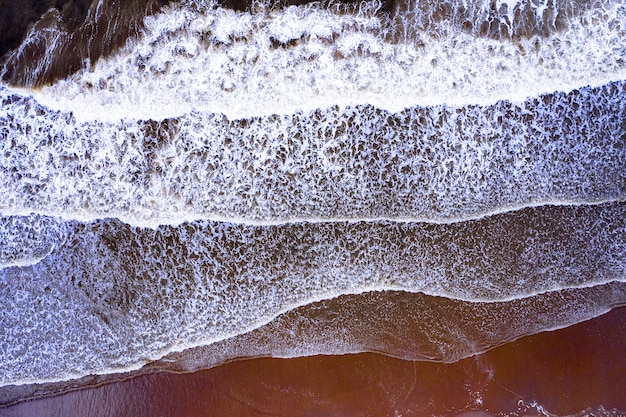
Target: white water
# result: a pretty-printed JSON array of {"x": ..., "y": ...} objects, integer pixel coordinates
[
  {"x": 115, "y": 297},
  {"x": 437, "y": 164},
  {"x": 422, "y": 328},
  {"x": 319, "y": 143},
  {"x": 27, "y": 240},
  {"x": 324, "y": 158},
  {"x": 215, "y": 60}
]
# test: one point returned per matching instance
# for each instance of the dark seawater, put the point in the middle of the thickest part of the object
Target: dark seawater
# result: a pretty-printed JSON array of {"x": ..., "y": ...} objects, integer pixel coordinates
[{"x": 312, "y": 208}]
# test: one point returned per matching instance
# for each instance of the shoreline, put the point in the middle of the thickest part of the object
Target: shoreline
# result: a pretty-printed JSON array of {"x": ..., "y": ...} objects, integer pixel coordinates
[{"x": 531, "y": 370}]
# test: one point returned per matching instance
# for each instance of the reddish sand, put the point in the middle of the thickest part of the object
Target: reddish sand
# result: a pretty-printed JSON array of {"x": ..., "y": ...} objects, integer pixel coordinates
[{"x": 565, "y": 371}]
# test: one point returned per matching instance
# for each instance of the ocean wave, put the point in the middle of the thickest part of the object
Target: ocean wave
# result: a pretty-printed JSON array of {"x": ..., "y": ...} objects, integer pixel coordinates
[
  {"x": 220, "y": 180},
  {"x": 114, "y": 297},
  {"x": 398, "y": 324},
  {"x": 410, "y": 326},
  {"x": 437, "y": 164},
  {"x": 197, "y": 56}
]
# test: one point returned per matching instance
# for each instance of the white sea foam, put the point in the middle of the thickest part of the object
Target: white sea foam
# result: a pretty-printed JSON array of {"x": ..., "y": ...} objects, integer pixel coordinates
[
  {"x": 115, "y": 297},
  {"x": 438, "y": 164},
  {"x": 422, "y": 327},
  {"x": 210, "y": 59},
  {"x": 318, "y": 143},
  {"x": 340, "y": 161},
  {"x": 27, "y": 240}
]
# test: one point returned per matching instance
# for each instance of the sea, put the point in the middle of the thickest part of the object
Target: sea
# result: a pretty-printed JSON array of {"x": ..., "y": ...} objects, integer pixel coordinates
[{"x": 335, "y": 208}]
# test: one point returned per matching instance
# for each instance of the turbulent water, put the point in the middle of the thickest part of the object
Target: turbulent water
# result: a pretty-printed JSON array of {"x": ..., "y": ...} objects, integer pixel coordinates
[{"x": 321, "y": 178}]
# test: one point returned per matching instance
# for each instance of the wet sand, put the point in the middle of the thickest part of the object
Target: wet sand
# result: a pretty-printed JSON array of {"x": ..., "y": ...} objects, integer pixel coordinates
[{"x": 577, "y": 369}]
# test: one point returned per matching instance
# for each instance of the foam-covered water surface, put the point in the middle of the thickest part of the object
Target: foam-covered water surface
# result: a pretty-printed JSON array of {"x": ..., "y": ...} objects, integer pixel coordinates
[
  {"x": 114, "y": 296},
  {"x": 199, "y": 57},
  {"x": 434, "y": 164},
  {"x": 188, "y": 185},
  {"x": 27, "y": 240},
  {"x": 410, "y": 326}
]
